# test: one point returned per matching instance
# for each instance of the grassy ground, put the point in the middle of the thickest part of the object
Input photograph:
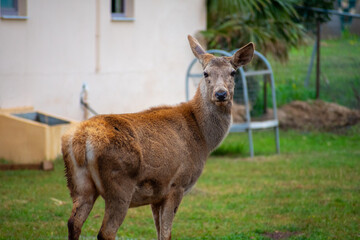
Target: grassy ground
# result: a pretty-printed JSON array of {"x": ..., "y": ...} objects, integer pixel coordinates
[{"x": 310, "y": 191}]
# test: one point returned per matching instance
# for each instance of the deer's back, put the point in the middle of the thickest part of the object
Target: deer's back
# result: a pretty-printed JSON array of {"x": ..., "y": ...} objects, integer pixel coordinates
[{"x": 158, "y": 148}]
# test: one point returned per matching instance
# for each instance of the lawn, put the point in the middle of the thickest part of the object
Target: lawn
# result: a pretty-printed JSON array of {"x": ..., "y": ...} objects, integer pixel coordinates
[{"x": 310, "y": 191}]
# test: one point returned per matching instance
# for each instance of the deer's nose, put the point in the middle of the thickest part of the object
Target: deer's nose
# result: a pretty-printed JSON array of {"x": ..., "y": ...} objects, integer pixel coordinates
[{"x": 221, "y": 95}]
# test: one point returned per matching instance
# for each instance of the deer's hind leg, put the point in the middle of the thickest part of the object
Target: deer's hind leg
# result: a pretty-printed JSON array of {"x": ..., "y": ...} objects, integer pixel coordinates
[
  {"x": 116, "y": 206},
  {"x": 83, "y": 193},
  {"x": 82, "y": 205}
]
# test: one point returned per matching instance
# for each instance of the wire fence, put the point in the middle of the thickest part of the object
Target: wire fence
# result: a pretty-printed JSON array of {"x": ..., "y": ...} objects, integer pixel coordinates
[{"x": 339, "y": 70}]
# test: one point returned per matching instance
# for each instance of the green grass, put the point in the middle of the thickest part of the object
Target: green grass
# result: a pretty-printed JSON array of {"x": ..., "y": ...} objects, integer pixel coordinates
[
  {"x": 3, "y": 161},
  {"x": 340, "y": 74},
  {"x": 312, "y": 189}
]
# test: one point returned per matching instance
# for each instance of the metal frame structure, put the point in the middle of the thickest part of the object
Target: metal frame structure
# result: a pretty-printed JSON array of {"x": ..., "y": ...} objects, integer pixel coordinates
[{"x": 247, "y": 126}]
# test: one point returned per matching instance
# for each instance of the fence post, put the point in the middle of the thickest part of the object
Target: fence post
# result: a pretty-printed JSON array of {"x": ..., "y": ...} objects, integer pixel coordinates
[{"x": 318, "y": 59}]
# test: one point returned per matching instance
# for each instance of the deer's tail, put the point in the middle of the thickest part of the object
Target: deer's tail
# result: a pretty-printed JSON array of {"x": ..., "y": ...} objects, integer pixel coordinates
[
  {"x": 80, "y": 160},
  {"x": 73, "y": 148}
]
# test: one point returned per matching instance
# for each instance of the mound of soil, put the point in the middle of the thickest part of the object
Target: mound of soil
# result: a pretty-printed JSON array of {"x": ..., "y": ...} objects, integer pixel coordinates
[
  {"x": 238, "y": 113},
  {"x": 316, "y": 115},
  {"x": 308, "y": 115}
]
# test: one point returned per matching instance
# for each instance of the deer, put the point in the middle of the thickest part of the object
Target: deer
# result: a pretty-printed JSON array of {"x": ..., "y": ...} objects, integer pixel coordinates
[{"x": 153, "y": 157}]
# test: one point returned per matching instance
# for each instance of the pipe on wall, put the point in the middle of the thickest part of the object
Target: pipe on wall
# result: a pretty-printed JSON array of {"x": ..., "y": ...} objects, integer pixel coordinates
[{"x": 97, "y": 37}]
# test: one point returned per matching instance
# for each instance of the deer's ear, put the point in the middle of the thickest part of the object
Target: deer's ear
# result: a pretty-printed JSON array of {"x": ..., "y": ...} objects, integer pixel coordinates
[
  {"x": 243, "y": 56},
  {"x": 196, "y": 47},
  {"x": 199, "y": 52}
]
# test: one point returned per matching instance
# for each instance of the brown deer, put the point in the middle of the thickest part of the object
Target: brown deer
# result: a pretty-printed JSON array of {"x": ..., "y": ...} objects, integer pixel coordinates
[{"x": 152, "y": 157}]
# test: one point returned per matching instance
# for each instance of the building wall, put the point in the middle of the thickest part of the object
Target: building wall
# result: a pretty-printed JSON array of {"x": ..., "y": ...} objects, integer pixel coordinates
[{"x": 127, "y": 66}]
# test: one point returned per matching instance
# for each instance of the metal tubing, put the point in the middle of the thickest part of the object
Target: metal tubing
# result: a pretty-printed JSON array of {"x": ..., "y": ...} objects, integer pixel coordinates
[
  {"x": 248, "y": 119},
  {"x": 265, "y": 93},
  {"x": 330, "y": 11},
  {"x": 187, "y": 79},
  {"x": 277, "y": 139}
]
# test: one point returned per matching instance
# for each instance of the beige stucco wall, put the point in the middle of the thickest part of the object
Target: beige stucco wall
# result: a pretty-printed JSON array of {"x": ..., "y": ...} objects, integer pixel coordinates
[{"x": 45, "y": 59}]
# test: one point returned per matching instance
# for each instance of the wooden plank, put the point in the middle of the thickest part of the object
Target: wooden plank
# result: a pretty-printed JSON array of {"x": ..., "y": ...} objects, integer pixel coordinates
[
  {"x": 46, "y": 166},
  {"x": 17, "y": 109}
]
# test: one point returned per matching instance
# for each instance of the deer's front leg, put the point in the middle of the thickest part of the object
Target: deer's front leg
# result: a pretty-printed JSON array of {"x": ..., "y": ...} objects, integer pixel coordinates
[{"x": 168, "y": 210}]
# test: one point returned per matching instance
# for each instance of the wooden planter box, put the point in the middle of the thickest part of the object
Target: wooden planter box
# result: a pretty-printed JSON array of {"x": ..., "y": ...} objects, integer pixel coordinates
[{"x": 31, "y": 137}]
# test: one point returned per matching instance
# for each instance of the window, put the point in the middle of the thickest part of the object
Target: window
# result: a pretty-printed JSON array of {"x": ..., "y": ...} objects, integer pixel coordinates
[
  {"x": 8, "y": 7},
  {"x": 122, "y": 10},
  {"x": 13, "y": 9},
  {"x": 118, "y": 8}
]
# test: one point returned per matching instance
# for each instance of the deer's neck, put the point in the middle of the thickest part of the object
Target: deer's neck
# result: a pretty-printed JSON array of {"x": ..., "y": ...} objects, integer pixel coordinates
[{"x": 214, "y": 121}]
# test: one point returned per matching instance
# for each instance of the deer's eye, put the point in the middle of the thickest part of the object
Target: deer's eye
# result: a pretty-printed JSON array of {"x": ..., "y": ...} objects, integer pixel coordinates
[
  {"x": 233, "y": 73},
  {"x": 206, "y": 74}
]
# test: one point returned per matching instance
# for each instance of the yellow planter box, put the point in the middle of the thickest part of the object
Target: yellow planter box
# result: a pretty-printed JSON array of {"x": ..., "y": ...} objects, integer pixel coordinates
[{"x": 31, "y": 137}]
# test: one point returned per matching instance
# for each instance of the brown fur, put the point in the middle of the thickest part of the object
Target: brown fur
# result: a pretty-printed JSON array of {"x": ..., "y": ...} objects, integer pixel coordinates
[{"x": 152, "y": 157}]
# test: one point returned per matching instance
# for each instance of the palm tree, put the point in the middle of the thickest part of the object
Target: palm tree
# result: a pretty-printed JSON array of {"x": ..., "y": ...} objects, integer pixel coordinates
[{"x": 270, "y": 24}]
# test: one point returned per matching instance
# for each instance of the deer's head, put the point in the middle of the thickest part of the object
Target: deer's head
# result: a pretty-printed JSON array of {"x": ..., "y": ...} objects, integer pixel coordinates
[{"x": 217, "y": 86}]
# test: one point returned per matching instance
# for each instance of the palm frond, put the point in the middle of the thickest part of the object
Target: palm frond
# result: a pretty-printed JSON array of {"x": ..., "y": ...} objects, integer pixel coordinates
[{"x": 268, "y": 23}]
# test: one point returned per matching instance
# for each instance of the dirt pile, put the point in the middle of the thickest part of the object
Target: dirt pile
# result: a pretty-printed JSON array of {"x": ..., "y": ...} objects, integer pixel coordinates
[
  {"x": 308, "y": 115},
  {"x": 238, "y": 113},
  {"x": 316, "y": 115}
]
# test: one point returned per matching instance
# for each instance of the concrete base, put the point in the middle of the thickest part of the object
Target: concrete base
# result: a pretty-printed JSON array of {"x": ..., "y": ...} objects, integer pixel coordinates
[{"x": 31, "y": 136}]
